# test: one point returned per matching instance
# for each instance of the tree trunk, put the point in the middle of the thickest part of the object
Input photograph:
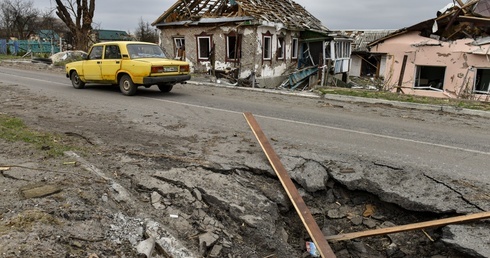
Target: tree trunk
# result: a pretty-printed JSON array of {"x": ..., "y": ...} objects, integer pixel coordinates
[{"x": 78, "y": 18}]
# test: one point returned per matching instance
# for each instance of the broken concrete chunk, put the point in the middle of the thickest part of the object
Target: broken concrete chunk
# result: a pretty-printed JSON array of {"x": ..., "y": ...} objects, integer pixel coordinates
[
  {"x": 37, "y": 191},
  {"x": 120, "y": 193},
  {"x": 370, "y": 223},
  {"x": 165, "y": 243},
  {"x": 216, "y": 251},
  {"x": 198, "y": 194},
  {"x": 146, "y": 247},
  {"x": 156, "y": 200},
  {"x": 251, "y": 220},
  {"x": 335, "y": 214},
  {"x": 232, "y": 196},
  {"x": 208, "y": 239},
  {"x": 311, "y": 175},
  {"x": 471, "y": 240},
  {"x": 155, "y": 197},
  {"x": 356, "y": 220}
]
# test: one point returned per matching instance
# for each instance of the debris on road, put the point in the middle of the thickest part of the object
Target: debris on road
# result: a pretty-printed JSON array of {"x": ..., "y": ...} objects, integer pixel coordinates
[
  {"x": 415, "y": 226},
  {"x": 37, "y": 191},
  {"x": 309, "y": 222}
]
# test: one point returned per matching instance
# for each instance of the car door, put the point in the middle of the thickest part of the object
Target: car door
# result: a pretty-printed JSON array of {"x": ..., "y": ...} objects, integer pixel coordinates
[
  {"x": 92, "y": 66},
  {"x": 111, "y": 62}
]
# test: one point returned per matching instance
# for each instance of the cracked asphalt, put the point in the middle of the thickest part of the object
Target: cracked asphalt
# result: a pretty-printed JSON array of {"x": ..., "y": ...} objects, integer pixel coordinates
[{"x": 204, "y": 191}]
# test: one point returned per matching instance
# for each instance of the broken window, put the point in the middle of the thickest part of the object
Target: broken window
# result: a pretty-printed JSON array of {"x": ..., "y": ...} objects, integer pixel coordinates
[
  {"x": 233, "y": 47},
  {"x": 339, "y": 51},
  {"x": 294, "y": 48},
  {"x": 430, "y": 77},
  {"x": 482, "y": 81},
  {"x": 204, "y": 47},
  {"x": 342, "y": 50},
  {"x": 179, "y": 44},
  {"x": 281, "y": 47},
  {"x": 267, "y": 47}
]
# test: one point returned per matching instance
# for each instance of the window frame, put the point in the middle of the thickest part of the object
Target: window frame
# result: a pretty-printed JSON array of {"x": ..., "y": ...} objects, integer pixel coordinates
[
  {"x": 281, "y": 51},
  {"x": 93, "y": 55},
  {"x": 198, "y": 44},
  {"x": 477, "y": 86},
  {"x": 294, "y": 48},
  {"x": 419, "y": 73},
  {"x": 178, "y": 40},
  {"x": 238, "y": 47},
  {"x": 107, "y": 52},
  {"x": 267, "y": 46}
]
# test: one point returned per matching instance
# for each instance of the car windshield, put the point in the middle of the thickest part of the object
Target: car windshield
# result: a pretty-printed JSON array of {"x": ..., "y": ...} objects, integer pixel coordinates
[{"x": 143, "y": 50}]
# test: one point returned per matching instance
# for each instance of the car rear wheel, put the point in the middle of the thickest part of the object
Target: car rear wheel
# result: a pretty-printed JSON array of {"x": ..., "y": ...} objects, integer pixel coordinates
[
  {"x": 165, "y": 87},
  {"x": 127, "y": 86},
  {"x": 76, "y": 82}
]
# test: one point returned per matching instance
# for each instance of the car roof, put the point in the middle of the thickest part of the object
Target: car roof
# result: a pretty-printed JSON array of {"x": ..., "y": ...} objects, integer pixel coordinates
[{"x": 122, "y": 43}]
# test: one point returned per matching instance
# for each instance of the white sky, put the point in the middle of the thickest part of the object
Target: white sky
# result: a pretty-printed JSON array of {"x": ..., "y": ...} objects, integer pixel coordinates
[{"x": 334, "y": 14}]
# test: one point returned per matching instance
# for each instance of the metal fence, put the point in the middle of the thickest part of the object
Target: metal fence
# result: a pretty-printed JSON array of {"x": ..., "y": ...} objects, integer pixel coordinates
[{"x": 15, "y": 47}]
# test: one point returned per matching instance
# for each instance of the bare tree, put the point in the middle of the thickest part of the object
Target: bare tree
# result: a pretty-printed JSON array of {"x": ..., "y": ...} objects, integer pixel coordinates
[
  {"x": 78, "y": 16},
  {"x": 145, "y": 33},
  {"x": 18, "y": 18},
  {"x": 49, "y": 22}
]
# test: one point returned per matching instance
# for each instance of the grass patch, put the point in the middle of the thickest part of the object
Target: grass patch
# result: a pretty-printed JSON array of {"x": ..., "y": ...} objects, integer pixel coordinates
[
  {"x": 8, "y": 57},
  {"x": 14, "y": 130},
  {"x": 460, "y": 103}
]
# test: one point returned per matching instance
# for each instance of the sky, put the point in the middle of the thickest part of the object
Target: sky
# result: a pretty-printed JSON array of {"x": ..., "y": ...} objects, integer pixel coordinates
[{"x": 334, "y": 14}]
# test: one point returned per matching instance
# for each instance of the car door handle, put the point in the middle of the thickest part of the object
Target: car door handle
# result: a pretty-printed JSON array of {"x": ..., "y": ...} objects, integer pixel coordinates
[
  {"x": 99, "y": 62},
  {"x": 118, "y": 62}
]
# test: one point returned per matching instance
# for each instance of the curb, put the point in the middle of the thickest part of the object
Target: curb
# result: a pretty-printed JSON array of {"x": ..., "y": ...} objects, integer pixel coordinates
[{"x": 427, "y": 107}]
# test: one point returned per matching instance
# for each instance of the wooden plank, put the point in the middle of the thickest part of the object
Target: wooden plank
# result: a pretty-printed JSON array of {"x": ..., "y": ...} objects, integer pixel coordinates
[
  {"x": 298, "y": 202},
  {"x": 402, "y": 74},
  {"x": 415, "y": 226}
]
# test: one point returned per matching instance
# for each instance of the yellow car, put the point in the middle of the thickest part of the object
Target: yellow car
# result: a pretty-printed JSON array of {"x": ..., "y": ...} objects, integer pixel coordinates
[{"x": 129, "y": 64}]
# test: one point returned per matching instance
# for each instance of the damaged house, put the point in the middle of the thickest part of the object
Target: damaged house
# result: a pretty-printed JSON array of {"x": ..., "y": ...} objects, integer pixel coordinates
[
  {"x": 447, "y": 57},
  {"x": 263, "y": 39},
  {"x": 363, "y": 63}
]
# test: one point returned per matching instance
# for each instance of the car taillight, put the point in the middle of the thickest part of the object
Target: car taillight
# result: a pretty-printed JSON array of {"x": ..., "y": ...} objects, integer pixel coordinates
[
  {"x": 157, "y": 69},
  {"x": 184, "y": 68}
]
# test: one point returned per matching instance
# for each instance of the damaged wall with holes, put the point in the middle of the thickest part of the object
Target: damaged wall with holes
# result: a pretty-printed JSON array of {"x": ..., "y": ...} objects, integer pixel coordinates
[
  {"x": 446, "y": 57},
  {"x": 249, "y": 55}
]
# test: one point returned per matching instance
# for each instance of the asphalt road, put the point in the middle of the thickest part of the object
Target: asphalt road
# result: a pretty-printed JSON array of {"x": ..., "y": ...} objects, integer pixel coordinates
[{"x": 446, "y": 146}]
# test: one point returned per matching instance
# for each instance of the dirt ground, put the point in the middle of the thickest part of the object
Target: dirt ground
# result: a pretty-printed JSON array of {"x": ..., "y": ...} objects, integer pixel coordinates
[{"x": 120, "y": 198}]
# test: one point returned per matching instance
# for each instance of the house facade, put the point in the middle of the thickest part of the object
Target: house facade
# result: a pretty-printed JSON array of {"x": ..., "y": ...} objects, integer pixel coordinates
[
  {"x": 446, "y": 57},
  {"x": 261, "y": 39}
]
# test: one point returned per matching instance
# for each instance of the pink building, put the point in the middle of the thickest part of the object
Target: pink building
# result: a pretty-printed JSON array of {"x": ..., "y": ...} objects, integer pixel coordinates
[{"x": 446, "y": 57}]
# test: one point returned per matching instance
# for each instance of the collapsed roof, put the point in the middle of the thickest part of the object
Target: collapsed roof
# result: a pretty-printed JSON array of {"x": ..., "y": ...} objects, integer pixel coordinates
[
  {"x": 286, "y": 12},
  {"x": 453, "y": 22},
  {"x": 361, "y": 38}
]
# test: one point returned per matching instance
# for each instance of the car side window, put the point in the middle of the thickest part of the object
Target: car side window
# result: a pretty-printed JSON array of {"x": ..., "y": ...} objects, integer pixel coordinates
[
  {"x": 112, "y": 52},
  {"x": 96, "y": 53}
]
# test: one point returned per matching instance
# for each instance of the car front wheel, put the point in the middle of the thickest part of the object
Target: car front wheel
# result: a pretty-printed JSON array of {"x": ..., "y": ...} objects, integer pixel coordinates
[
  {"x": 76, "y": 82},
  {"x": 127, "y": 86},
  {"x": 165, "y": 87}
]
